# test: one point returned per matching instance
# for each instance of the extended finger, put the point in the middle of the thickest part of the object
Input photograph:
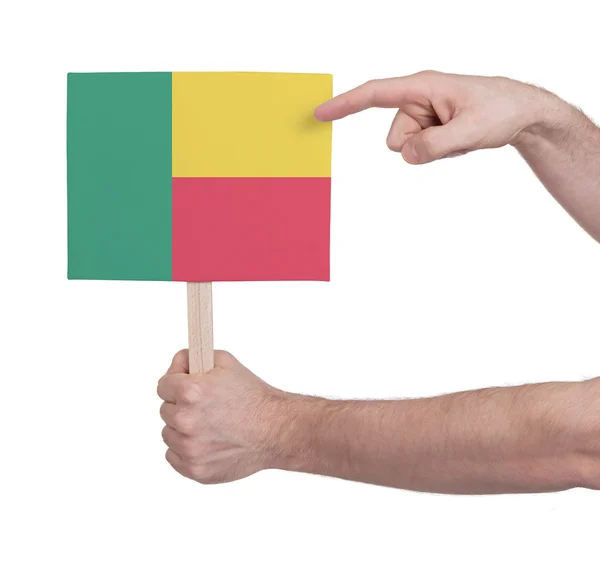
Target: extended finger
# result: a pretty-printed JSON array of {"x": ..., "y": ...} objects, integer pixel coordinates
[{"x": 387, "y": 92}]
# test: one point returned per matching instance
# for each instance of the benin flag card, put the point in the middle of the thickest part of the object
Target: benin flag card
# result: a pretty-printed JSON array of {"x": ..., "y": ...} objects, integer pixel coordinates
[{"x": 198, "y": 176}]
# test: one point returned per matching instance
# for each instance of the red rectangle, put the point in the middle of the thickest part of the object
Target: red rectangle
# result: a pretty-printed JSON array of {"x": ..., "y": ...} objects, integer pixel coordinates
[{"x": 251, "y": 228}]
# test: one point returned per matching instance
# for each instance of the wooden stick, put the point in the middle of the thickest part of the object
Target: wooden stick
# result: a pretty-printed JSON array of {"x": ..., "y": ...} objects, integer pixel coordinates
[{"x": 200, "y": 327}]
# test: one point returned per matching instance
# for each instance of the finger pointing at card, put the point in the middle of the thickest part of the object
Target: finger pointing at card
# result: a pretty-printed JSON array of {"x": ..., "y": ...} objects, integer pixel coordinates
[{"x": 441, "y": 115}]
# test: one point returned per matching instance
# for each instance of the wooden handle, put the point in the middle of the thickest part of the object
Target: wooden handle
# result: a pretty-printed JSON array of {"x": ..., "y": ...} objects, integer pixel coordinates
[{"x": 200, "y": 327}]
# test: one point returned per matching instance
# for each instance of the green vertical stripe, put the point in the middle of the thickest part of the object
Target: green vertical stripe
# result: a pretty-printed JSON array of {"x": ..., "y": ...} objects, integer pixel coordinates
[{"x": 119, "y": 175}]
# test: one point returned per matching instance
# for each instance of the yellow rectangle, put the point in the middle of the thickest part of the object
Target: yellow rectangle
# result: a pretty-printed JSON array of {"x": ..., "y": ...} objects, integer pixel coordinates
[{"x": 250, "y": 124}]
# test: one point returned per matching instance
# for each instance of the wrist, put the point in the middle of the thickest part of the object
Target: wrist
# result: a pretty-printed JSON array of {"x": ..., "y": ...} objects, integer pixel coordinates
[
  {"x": 297, "y": 426},
  {"x": 552, "y": 121}
]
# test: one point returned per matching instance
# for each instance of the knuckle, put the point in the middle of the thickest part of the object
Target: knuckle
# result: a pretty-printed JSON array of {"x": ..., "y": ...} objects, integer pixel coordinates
[
  {"x": 182, "y": 422},
  {"x": 188, "y": 448},
  {"x": 188, "y": 392},
  {"x": 200, "y": 473},
  {"x": 225, "y": 358},
  {"x": 371, "y": 89},
  {"x": 187, "y": 471},
  {"x": 206, "y": 476},
  {"x": 223, "y": 355}
]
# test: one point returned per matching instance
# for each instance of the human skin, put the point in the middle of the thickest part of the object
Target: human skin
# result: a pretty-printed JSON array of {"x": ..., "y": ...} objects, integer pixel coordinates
[
  {"x": 228, "y": 424},
  {"x": 441, "y": 115}
]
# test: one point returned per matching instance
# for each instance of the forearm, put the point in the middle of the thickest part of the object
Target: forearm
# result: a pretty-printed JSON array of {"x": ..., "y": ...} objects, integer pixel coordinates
[
  {"x": 563, "y": 150},
  {"x": 502, "y": 440}
]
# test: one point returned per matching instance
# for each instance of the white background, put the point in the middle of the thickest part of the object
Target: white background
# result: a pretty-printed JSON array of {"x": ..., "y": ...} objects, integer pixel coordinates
[{"x": 457, "y": 275}]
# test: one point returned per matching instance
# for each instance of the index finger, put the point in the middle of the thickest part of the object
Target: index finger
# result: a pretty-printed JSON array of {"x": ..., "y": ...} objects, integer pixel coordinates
[{"x": 385, "y": 92}]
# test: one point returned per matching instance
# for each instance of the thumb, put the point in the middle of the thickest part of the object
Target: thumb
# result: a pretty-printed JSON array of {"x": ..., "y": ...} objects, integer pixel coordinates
[
  {"x": 434, "y": 143},
  {"x": 181, "y": 362}
]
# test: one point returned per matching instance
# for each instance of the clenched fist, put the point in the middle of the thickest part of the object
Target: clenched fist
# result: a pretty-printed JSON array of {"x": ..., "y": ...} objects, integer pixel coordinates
[{"x": 220, "y": 426}]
